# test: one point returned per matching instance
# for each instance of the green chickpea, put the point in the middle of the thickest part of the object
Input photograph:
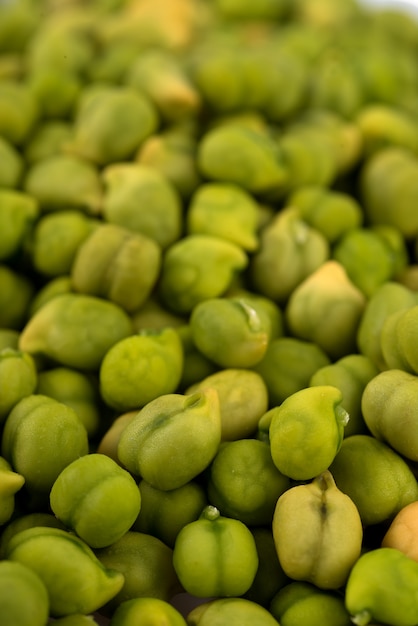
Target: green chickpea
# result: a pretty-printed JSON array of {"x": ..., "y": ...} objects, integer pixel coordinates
[
  {"x": 115, "y": 57},
  {"x": 336, "y": 86},
  {"x": 95, "y": 137},
  {"x": 388, "y": 298},
  {"x": 306, "y": 431},
  {"x": 172, "y": 152},
  {"x": 225, "y": 557},
  {"x": 16, "y": 292},
  {"x": 398, "y": 340},
  {"x": 209, "y": 67},
  {"x": 146, "y": 563},
  {"x": 22, "y": 522},
  {"x": 172, "y": 439},
  {"x": 243, "y": 398},
  {"x": 19, "y": 111},
  {"x": 375, "y": 477},
  {"x": 64, "y": 562},
  {"x": 18, "y": 24},
  {"x": 383, "y": 598},
  {"x": 164, "y": 513},
  {"x": 9, "y": 338},
  {"x": 332, "y": 213},
  {"x": 18, "y": 213},
  {"x": 350, "y": 375},
  {"x": 37, "y": 423},
  {"x": 196, "y": 366},
  {"x": 56, "y": 239},
  {"x": 141, "y": 368},
  {"x": 54, "y": 287},
  {"x": 59, "y": 47},
  {"x": 24, "y": 598},
  {"x": 64, "y": 181},
  {"x": 159, "y": 74},
  {"x": 302, "y": 602},
  {"x": 229, "y": 332},
  {"x": 270, "y": 313},
  {"x": 386, "y": 397},
  {"x": 76, "y": 389},
  {"x": 241, "y": 156},
  {"x": 18, "y": 379},
  {"x": 288, "y": 365},
  {"x": 224, "y": 210},
  {"x": 198, "y": 267},
  {"x": 335, "y": 308},
  {"x": 49, "y": 138},
  {"x": 10, "y": 483},
  {"x": 141, "y": 199},
  {"x": 55, "y": 91},
  {"x": 148, "y": 612},
  {"x": 244, "y": 483},
  {"x": 97, "y": 498},
  {"x": 229, "y": 610},
  {"x": 289, "y": 251},
  {"x": 270, "y": 576},
  {"x": 12, "y": 164},
  {"x": 113, "y": 263},
  {"x": 368, "y": 257},
  {"x": 309, "y": 156},
  {"x": 75, "y": 330},
  {"x": 388, "y": 187},
  {"x": 384, "y": 125}
]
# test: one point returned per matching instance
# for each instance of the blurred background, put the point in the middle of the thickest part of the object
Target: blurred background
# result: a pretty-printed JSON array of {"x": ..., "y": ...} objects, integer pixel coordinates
[{"x": 406, "y": 5}]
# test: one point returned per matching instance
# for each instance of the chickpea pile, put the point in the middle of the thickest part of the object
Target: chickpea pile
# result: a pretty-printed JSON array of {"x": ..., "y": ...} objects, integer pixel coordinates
[{"x": 208, "y": 313}]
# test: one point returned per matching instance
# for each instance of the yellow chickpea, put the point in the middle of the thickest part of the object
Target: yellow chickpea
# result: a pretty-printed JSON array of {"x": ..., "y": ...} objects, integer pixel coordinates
[{"x": 402, "y": 534}]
